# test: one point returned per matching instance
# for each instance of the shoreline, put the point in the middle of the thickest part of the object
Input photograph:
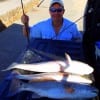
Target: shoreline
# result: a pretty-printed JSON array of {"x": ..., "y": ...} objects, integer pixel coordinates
[{"x": 11, "y": 13}]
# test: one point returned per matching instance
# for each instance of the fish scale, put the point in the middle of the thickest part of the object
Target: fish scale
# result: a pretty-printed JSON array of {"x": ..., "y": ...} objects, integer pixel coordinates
[
  {"x": 57, "y": 90},
  {"x": 55, "y": 66},
  {"x": 53, "y": 76}
]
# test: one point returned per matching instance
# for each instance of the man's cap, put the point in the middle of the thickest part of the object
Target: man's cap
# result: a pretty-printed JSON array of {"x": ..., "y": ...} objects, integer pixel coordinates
[{"x": 57, "y": 1}]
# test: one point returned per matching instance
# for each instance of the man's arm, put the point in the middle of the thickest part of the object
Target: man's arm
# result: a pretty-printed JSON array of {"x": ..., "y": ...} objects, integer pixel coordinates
[{"x": 25, "y": 21}]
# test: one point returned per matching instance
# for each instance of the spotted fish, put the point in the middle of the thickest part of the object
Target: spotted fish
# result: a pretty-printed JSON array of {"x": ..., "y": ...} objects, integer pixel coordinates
[{"x": 54, "y": 89}]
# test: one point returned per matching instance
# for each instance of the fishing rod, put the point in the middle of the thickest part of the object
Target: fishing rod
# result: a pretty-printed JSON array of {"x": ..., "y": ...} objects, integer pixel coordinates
[
  {"x": 25, "y": 24},
  {"x": 76, "y": 21},
  {"x": 22, "y": 7},
  {"x": 40, "y": 3},
  {"x": 88, "y": 12}
]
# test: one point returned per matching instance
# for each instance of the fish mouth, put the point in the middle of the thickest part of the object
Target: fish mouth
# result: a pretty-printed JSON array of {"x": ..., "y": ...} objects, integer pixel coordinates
[{"x": 96, "y": 91}]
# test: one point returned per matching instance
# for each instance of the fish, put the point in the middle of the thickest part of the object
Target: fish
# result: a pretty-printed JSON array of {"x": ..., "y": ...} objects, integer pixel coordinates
[
  {"x": 54, "y": 89},
  {"x": 68, "y": 65},
  {"x": 58, "y": 76},
  {"x": 77, "y": 67},
  {"x": 50, "y": 66}
]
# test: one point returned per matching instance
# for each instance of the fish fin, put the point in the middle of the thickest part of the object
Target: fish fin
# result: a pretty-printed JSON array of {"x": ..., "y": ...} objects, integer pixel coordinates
[
  {"x": 10, "y": 67},
  {"x": 61, "y": 69},
  {"x": 68, "y": 59}
]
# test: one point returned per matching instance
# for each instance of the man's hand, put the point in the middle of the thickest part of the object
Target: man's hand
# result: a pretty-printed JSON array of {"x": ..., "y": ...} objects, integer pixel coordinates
[{"x": 25, "y": 19}]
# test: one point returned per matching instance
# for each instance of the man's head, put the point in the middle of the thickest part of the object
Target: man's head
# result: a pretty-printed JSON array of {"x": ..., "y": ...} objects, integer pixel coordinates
[
  {"x": 56, "y": 9},
  {"x": 60, "y": 2}
]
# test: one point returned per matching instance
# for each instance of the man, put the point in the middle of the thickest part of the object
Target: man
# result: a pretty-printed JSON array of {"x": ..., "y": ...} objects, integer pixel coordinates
[{"x": 56, "y": 27}]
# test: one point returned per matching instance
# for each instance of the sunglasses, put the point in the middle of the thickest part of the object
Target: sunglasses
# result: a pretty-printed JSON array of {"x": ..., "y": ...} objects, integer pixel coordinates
[{"x": 56, "y": 9}]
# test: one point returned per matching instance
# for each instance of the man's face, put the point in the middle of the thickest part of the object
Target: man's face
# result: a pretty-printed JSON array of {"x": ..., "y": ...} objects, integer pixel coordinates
[{"x": 56, "y": 12}]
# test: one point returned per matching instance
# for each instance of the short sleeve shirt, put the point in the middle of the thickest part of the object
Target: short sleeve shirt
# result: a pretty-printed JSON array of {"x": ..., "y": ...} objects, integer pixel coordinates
[{"x": 45, "y": 30}]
